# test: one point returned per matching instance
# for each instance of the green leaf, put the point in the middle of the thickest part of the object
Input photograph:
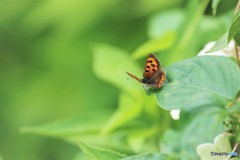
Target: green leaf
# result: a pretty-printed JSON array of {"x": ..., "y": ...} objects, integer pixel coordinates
[
  {"x": 214, "y": 6},
  {"x": 234, "y": 27},
  {"x": 200, "y": 81},
  {"x": 85, "y": 127},
  {"x": 237, "y": 38},
  {"x": 111, "y": 64},
  {"x": 77, "y": 126},
  {"x": 151, "y": 156},
  {"x": 183, "y": 141},
  {"x": 154, "y": 45},
  {"x": 97, "y": 153},
  {"x": 79, "y": 156},
  {"x": 158, "y": 26},
  {"x": 220, "y": 44},
  {"x": 129, "y": 108}
]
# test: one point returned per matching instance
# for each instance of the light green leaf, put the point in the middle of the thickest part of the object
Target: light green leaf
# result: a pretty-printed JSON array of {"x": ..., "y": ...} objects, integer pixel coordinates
[
  {"x": 220, "y": 44},
  {"x": 158, "y": 26},
  {"x": 79, "y": 156},
  {"x": 234, "y": 27},
  {"x": 85, "y": 127},
  {"x": 77, "y": 126},
  {"x": 200, "y": 81},
  {"x": 97, "y": 153},
  {"x": 111, "y": 64},
  {"x": 154, "y": 45},
  {"x": 214, "y": 6},
  {"x": 151, "y": 156},
  {"x": 129, "y": 108}
]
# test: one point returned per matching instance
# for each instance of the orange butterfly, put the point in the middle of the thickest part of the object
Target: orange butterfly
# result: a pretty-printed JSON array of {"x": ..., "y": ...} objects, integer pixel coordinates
[{"x": 153, "y": 75}]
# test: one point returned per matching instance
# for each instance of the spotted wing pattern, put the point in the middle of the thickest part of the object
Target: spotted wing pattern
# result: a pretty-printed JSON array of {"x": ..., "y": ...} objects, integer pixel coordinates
[
  {"x": 153, "y": 75},
  {"x": 152, "y": 65}
]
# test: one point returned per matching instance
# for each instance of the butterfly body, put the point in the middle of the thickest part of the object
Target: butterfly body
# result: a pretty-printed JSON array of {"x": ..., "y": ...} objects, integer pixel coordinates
[{"x": 153, "y": 75}]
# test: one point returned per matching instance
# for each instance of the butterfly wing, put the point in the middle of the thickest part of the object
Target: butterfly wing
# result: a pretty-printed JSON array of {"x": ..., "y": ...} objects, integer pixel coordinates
[
  {"x": 152, "y": 65},
  {"x": 157, "y": 79},
  {"x": 153, "y": 75}
]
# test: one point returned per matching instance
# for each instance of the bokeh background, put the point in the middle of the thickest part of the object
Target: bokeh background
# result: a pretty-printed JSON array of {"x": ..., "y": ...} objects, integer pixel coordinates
[{"x": 46, "y": 59}]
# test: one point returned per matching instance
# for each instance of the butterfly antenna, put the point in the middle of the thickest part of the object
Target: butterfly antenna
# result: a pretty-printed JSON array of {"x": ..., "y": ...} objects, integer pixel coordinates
[{"x": 134, "y": 77}]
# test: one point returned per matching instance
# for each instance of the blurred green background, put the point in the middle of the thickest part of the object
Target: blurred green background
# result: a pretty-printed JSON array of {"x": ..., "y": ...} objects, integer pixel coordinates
[{"x": 46, "y": 59}]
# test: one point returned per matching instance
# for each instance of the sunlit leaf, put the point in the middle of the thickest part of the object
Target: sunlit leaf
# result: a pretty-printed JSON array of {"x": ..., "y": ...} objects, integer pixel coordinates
[
  {"x": 77, "y": 126},
  {"x": 200, "y": 81},
  {"x": 154, "y": 45},
  {"x": 157, "y": 26},
  {"x": 79, "y": 156},
  {"x": 129, "y": 108},
  {"x": 111, "y": 64},
  {"x": 151, "y": 156},
  {"x": 97, "y": 153}
]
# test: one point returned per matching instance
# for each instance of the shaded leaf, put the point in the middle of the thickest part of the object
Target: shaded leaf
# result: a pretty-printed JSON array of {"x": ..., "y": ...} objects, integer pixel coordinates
[
  {"x": 220, "y": 44},
  {"x": 200, "y": 81},
  {"x": 237, "y": 38},
  {"x": 97, "y": 153},
  {"x": 184, "y": 141},
  {"x": 234, "y": 27}
]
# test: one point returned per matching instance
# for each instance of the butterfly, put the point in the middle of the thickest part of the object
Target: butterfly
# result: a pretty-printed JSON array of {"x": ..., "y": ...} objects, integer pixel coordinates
[{"x": 153, "y": 75}]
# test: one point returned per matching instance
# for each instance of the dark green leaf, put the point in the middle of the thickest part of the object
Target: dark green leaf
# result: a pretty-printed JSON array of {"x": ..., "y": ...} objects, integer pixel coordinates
[
  {"x": 234, "y": 27},
  {"x": 220, "y": 44},
  {"x": 214, "y": 6},
  {"x": 151, "y": 156},
  {"x": 200, "y": 81},
  {"x": 237, "y": 37},
  {"x": 97, "y": 153}
]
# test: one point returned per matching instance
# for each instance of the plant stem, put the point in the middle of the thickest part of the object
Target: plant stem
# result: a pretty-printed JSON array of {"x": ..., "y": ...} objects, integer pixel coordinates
[{"x": 236, "y": 51}]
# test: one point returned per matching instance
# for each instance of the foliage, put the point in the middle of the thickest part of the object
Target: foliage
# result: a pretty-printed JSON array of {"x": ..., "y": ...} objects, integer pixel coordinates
[{"x": 56, "y": 64}]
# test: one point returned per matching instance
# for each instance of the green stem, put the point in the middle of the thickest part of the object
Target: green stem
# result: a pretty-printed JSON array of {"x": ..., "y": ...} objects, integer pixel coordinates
[{"x": 191, "y": 28}]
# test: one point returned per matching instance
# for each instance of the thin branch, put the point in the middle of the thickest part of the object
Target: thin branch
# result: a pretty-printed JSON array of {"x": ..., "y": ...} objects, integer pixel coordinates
[{"x": 236, "y": 51}]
